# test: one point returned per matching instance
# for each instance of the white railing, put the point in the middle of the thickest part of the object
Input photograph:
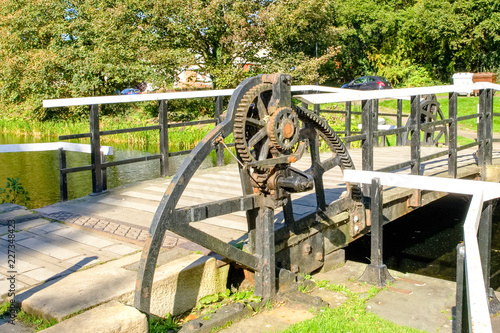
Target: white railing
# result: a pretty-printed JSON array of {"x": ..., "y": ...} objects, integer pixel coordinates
[
  {"x": 47, "y": 146},
  {"x": 355, "y": 95},
  {"x": 63, "y": 102},
  {"x": 477, "y": 295}
]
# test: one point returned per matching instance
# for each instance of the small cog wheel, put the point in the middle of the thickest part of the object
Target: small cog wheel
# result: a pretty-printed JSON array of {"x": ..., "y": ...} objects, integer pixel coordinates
[{"x": 283, "y": 129}]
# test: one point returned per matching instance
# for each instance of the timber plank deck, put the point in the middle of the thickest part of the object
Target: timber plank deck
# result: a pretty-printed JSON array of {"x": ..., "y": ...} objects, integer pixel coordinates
[{"x": 132, "y": 206}]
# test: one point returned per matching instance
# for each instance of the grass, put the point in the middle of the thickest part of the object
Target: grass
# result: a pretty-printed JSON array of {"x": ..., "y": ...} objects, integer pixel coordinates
[
  {"x": 466, "y": 106},
  {"x": 34, "y": 322},
  {"x": 349, "y": 317},
  {"x": 180, "y": 138}
]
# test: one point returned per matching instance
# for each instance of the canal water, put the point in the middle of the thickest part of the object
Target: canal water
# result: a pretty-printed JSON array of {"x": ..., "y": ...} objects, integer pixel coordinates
[
  {"x": 424, "y": 242},
  {"x": 39, "y": 171}
]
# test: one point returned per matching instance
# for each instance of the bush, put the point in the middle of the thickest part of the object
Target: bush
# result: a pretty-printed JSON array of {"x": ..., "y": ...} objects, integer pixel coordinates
[{"x": 14, "y": 192}]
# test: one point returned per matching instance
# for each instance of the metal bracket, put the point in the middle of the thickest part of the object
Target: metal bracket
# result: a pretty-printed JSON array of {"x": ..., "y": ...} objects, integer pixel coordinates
[
  {"x": 415, "y": 200},
  {"x": 305, "y": 256}
]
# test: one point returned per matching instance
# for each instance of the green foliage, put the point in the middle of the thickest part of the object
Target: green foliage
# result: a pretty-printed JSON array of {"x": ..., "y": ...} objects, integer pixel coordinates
[
  {"x": 180, "y": 138},
  {"x": 38, "y": 324},
  {"x": 415, "y": 43},
  {"x": 58, "y": 49},
  {"x": 161, "y": 325},
  {"x": 304, "y": 288},
  {"x": 61, "y": 49},
  {"x": 14, "y": 192},
  {"x": 244, "y": 296}
]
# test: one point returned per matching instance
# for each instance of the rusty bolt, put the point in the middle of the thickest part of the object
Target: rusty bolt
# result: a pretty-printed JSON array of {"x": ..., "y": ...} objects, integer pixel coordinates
[
  {"x": 292, "y": 159},
  {"x": 307, "y": 249},
  {"x": 295, "y": 269},
  {"x": 319, "y": 256}
]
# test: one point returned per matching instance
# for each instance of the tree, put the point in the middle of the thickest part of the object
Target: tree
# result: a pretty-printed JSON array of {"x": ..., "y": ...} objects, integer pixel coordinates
[
  {"x": 217, "y": 35},
  {"x": 56, "y": 49},
  {"x": 300, "y": 38},
  {"x": 220, "y": 36}
]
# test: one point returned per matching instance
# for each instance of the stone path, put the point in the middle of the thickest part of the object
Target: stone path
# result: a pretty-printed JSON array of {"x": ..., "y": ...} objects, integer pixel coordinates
[{"x": 45, "y": 250}]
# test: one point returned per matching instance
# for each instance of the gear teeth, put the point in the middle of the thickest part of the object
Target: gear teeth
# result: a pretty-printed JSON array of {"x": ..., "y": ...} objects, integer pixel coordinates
[
  {"x": 240, "y": 117},
  {"x": 332, "y": 140}
]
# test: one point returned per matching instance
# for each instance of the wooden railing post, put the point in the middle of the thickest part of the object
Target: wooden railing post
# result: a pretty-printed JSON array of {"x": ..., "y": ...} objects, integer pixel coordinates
[
  {"x": 485, "y": 130},
  {"x": 453, "y": 144},
  {"x": 63, "y": 178},
  {"x": 415, "y": 135},
  {"x": 375, "y": 122},
  {"x": 316, "y": 108},
  {"x": 376, "y": 272},
  {"x": 367, "y": 142},
  {"x": 399, "y": 122},
  {"x": 95, "y": 149},
  {"x": 218, "y": 112},
  {"x": 163, "y": 120},
  {"x": 416, "y": 199},
  {"x": 484, "y": 242},
  {"x": 348, "y": 115}
]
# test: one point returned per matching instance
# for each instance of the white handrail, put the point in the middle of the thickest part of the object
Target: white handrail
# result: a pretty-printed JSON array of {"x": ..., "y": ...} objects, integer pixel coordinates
[
  {"x": 480, "y": 191},
  {"x": 63, "y": 102},
  {"x": 47, "y": 146},
  {"x": 393, "y": 93}
]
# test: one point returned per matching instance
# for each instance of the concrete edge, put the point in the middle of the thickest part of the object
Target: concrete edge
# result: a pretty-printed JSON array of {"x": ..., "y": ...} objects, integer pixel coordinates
[
  {"x": 112, "y": 317},
  {"x": 9, "y": 207}
]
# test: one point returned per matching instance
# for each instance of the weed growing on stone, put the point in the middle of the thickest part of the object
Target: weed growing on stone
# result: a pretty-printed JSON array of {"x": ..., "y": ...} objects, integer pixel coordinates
[
  {"x": 39, "y": 324},
  {"x": 210, "y": 303},
  {"x": 217, "y": 329},
  {"x": 14, "y": 192},
  {"x": 303, "y": 288},
  {"x": 161, "y": 325}
]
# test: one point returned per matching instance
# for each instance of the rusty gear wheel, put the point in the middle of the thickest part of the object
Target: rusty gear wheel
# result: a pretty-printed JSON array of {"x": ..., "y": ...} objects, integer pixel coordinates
[
  {"x": 250, "y": 124},
  {"x": 283, "y": 129},
  {"x": 259, "y": 135}
]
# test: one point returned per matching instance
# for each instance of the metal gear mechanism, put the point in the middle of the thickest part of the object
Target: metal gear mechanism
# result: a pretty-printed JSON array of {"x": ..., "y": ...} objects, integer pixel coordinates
[
  {"x": 430, "y": 112},
  {"x": 267, "y": 136},
  {"x": 283, "y": 129}
]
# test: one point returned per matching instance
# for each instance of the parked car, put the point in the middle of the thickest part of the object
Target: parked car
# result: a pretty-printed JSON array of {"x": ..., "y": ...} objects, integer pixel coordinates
[
  {"x": 130, "y": 91},
  {"x": 368, "y": 83}
]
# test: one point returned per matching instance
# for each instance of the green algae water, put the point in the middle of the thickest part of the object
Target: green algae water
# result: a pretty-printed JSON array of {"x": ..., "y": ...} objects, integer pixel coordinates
[{"x": 39, "y": 171}]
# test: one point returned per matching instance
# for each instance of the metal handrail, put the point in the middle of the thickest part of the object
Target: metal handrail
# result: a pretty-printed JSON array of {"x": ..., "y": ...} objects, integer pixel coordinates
[{"x": 481, "y": 192}]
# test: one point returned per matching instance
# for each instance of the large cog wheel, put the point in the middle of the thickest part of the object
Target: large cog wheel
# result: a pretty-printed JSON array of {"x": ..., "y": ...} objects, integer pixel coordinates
[
  {"x": 250, "y": 124},
  {"x": 262, "y": 135}
]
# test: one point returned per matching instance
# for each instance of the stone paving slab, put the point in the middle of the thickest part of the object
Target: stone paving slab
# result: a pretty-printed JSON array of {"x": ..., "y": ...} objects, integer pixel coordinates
[
  {"x": 13, "y": 214},
  {"x": 274, "y": 320},
  {"x": 111, "y": 317},
  {"x": 26, "y": 225},
  {"x": 46, "y": 250}
]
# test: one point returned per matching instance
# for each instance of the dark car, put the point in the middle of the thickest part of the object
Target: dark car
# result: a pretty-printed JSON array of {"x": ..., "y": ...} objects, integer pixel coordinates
[
  {"x": 368, "y": 83},
  {"x": 130, "y": 91}
]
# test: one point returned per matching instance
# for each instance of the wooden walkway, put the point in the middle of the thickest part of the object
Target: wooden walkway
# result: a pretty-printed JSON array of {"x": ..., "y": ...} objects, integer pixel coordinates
[{"x": 127, "y": 211}]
